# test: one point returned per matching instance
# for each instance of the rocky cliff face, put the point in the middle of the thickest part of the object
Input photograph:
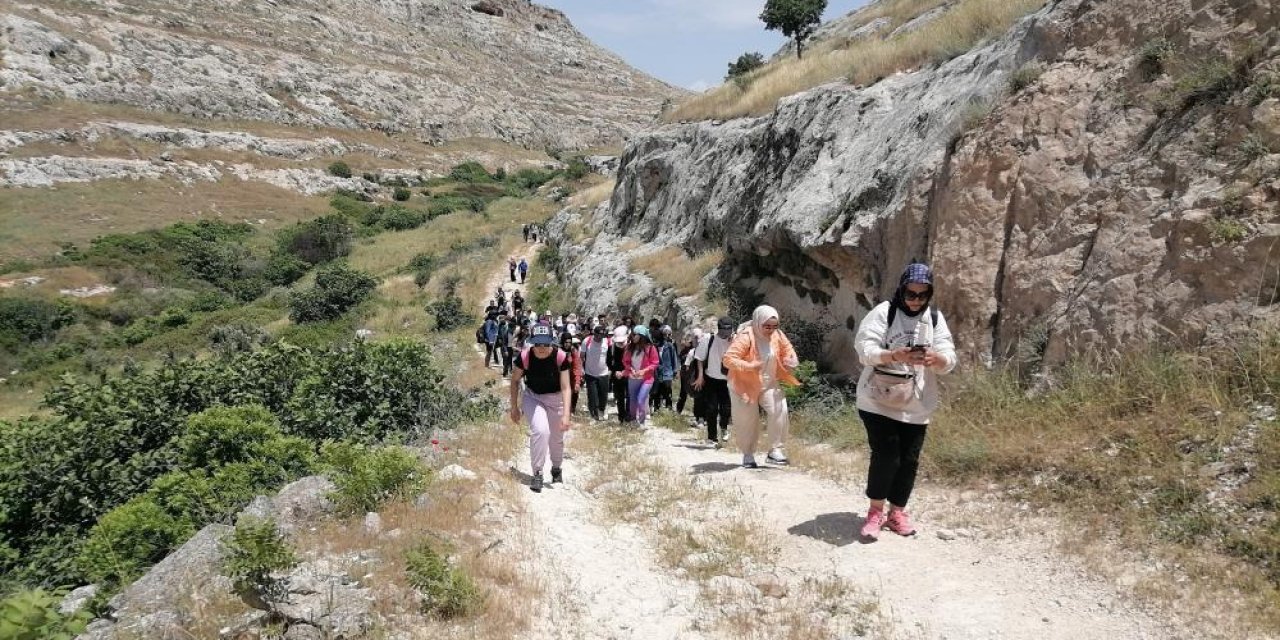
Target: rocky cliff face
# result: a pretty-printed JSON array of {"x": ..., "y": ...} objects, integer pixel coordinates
[
  {"x": 1102, "y": 176},
  {"x": 437, "y": 69}
]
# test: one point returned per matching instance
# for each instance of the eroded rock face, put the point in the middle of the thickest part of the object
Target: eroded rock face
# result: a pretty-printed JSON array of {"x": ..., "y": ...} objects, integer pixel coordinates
[
  {"x": 1079, "y": 214},
  {"x": 440, "y": 69}
]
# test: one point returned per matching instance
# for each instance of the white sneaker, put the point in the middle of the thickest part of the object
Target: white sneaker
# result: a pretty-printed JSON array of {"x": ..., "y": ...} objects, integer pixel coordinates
[{"x": 776, "y": 456}]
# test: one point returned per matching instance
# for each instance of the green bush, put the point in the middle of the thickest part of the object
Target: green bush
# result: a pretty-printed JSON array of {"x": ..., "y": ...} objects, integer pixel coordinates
[
  {"x": 577, "y": 168},
  {"x": 252, "y": 554},
  {"x": 530, "y": 179},
  {"x": 223, "y": 435},
  {"x": 128, "y": 539},
  {"x": 1153, "y": 57},
  {"x": 340, "y": 169},
  {"x": 402, "y": 219},
  {"x": 449, "y": 313},
  {"x": 236, "y": 338},
  {"x": 30, "y": 319},
  {"x": 401, "y": 194},
  {"x": 423, "y": 266},
  {"x": 446, "y": 591},
  {"x": 365, "y": 477},
  {"x": 1024, "y": 77},
  {"x": 338, "y": 288},
  {"x": 317, "y": 241},
  {"x": 33, "y": 615},
  {"x": 283, "y": 269},
  {"x": 470, "y": 172}
]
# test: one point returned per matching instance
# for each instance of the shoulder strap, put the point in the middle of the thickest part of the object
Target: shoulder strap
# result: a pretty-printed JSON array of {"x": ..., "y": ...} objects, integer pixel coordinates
[
  {"x": 893, "y": 312},
  {"x": 933, "y": 316},
  {"x": 560, "y": 357},
  {"x": 524, "y": 359}
]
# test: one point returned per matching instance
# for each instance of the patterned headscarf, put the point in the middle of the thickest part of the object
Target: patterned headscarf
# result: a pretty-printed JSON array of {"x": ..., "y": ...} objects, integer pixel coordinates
[{"x": 915, "y": 273}]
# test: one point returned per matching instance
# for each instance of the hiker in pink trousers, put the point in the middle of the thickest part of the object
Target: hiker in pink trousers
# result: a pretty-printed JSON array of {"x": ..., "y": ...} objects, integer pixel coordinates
[{"x": 544, "y": 369}]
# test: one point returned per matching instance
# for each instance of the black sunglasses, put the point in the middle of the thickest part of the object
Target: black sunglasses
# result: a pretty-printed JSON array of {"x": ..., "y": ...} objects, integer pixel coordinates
[{"x": 908, "y": 294}]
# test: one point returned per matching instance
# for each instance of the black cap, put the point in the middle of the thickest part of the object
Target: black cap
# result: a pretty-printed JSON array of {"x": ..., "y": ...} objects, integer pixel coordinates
[
  {"x": 600, "y": 330},
  {"x": 726, "y": 323}
]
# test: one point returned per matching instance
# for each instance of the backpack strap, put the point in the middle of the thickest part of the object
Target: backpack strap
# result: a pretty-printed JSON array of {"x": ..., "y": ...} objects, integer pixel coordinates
[
  {"x": 893, "y": 313},
  {"x": 560, "y": 357},
  {"x": 524, "y": 358}
]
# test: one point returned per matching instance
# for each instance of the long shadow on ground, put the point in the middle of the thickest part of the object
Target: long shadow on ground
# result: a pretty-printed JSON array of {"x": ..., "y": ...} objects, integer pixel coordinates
[
  {"x": 713, "y": 467},
  {"x": 836, "y": 529}
]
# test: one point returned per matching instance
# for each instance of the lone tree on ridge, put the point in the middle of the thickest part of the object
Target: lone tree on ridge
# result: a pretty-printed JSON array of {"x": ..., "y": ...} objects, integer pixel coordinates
[{"x": 796, "y": 19}]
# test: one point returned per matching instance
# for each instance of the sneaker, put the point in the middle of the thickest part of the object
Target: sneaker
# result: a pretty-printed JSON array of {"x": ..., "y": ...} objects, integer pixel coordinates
[
  {"x": 875, "y": 521},
  {"x": 749, "y": 461},
  {"x": 535, "y": 485},
  {"x": 713, "y": 443},
  {"x": 900, "y": 523},
  {"x": 776, "y": 456},
  {"x": 556, "y": 475}
]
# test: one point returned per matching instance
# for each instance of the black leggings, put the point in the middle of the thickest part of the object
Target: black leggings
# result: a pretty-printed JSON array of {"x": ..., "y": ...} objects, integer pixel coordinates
[{"x": 895, "y": 457}]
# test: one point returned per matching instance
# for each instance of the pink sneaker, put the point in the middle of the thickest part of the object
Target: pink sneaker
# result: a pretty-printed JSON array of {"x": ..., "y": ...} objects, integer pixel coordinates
[
  {"x": 900, "y": 523},
  {"x": 875, "y": 520}
]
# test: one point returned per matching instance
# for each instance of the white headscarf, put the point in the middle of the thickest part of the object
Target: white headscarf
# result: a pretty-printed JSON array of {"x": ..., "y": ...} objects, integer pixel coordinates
[{"x": 763, "y": 314}]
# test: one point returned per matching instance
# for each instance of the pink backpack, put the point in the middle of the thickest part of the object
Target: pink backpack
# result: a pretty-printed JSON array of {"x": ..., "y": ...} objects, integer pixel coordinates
[{"x": 524, "y": 358}]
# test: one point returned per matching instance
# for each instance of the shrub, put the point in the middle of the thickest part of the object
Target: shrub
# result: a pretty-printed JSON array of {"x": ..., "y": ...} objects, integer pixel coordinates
[
  {"x": 746, "y": 63},
  {"x": 402, "y": 219},
  {"x": 446, "y": 591},
  {"x": 577, "y": 168},
  {"x": 339, "y": 169},
  {"x": 470, "y": 172},
  {"x": 1153, "y": 56},
  {"x": 338, "y": 288},
  {"x": 365, "y": 477},
  {"x": 401, "y": 194},
  {"x": 128, "y": 539},
  {"x": 33, "y": 615},
  {"x": 530, "y": 179},
  {"x": 449, "y": 313},
  {"x": 1253, "y": 147},
  {"x": 423, "y": 267},
  {"x": 237, "y": 338},
  {"x": 1024, "y": 77},
  {"x": 252, "y": 554},
  {"x": 321, "y": 240},
  {"x": 283, "y": 269},
  {"x": 30, "y": 320},
  {"x": 223, "y": 435}
]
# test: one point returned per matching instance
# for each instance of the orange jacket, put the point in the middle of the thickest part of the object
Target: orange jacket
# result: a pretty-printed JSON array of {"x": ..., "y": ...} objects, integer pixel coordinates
[{"x": 748, "y": 383}]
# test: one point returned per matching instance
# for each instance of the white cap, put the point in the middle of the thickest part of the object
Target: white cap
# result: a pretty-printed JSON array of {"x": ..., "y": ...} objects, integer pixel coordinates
[{"x": 620, "y": 335}]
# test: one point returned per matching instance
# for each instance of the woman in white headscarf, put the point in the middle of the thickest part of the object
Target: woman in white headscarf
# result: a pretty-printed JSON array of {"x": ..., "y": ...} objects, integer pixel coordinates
[{"x": 758, "y": 359}]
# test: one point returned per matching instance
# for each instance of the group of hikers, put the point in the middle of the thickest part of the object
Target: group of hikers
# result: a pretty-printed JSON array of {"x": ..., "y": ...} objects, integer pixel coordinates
[
  {"x": 735, "y": 376},
  {"x": 532, "y": 232}
]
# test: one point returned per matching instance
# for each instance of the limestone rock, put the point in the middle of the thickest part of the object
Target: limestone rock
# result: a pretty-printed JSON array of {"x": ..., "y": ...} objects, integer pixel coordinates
[
  {"x": 77, "y": 599},
  {"x": 455, "y": 472}
]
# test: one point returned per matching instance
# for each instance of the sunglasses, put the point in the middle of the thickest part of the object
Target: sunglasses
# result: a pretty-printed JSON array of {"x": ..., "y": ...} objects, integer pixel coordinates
[{"x": 908, "y": 294}]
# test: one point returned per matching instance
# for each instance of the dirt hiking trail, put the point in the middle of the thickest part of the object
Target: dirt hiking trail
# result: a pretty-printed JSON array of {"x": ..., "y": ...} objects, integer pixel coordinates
[{"x": 990, "y": 578}]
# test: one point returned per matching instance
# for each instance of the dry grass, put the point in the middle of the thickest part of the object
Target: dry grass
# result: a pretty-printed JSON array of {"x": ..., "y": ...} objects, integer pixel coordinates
[
  {"x": 37, "y": 221},
  {"x": 862, "y": 62},
  {"x": 590, "y": 197},
  {"x": 673, "y": 268},
  {"x": 467, "y": 516}
]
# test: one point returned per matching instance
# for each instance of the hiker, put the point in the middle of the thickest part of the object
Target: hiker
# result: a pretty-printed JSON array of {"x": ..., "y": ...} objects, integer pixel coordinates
[
  {"x": 544, "y": 369},
  {"x": 501, "y": 300},
  {"x": 511, "y": 262},
  {"x": 759, "y": 359},
  {"x": 668, "y": 365},
  {"x": 595, "y": 367},
  {"x": 617, "y": 368},
  {"x": 506, "y": 326},
  {"x": 712, "y": 381},
  {"x": 523, "y": 267},
  {"x": 490, "y": 339},
  {"x": 517, "y": 301},
  {"x": 575, "y": 369},
  {"x": 903, "y": 344},
  {"x": 640, "y": 366},
  {"x": 686, "y": 372},
  {"x": 525, "y": 231}
]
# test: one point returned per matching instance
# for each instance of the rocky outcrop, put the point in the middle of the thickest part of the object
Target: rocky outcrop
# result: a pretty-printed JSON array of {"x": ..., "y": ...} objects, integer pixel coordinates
[
  {"x": 1085, "y": 209},
  {"x": 434, "y": 69}
]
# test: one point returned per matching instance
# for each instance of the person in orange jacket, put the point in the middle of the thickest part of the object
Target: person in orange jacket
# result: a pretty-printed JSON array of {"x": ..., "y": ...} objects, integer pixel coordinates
[{"x": 759, "y": 358}]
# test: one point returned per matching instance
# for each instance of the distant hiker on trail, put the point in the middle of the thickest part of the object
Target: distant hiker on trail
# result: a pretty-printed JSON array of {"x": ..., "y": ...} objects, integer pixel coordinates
[
  {"x": 544, "y": 369},
  {"x": 618, "y": 368},
  {"x": 517, "y": 301},
  {"x": 511, "y": 262},
  {"x": 525, "y": 230},
  {"x": 524, "y": 269},
  {"x": 533, "y": 234},
  {"x": 641, "y": 365},
  {"x": 904, "y": 344},
  {"x": 506, "y": 329},
  {"x": 668, "y": 366},
  {"x": 595, "y": 367},
  {"x": 759, "y": 359},
  {"x": 712, "y": 381}
]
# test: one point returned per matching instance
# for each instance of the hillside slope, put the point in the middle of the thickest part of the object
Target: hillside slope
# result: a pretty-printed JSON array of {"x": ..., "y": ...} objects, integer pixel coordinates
[{"x": 438, "y": 69}]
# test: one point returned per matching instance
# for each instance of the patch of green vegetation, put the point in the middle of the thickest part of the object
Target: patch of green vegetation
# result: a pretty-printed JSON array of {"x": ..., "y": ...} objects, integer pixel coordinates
[
  {"x": 447, "y": 592},
  {"x": 33, "y": 615},
  {"x": 253, "y": 554},
  {"x": 1024, "y": 77},
  {"x": 1154, "y": 55},
  {"x": 1224, "y": 230},
  {"x": 366, "y": 477}
]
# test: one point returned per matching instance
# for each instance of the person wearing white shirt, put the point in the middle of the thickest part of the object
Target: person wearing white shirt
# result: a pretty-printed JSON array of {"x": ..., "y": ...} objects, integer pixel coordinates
[{"x": 712, "y": 381}]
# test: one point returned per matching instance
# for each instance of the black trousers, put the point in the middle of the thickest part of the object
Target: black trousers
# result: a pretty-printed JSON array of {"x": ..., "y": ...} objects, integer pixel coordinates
[
  {"x": 715, "y": 404},
  {"x": 490, "y": 354},
  {"x": 621, "y": 399},
  {"x": 597, "y": 395},
  {"x": 508, "y": 355},
  {"x": 686, "y": 390},
  {"x": 895, "y": 457},
  {"x": 661, "y": 395},
  {"x": 513, "y": 275}
]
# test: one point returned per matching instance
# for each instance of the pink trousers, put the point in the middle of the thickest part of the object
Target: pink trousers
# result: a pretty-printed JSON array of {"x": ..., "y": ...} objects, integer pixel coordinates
[{"x": 545, "y": 412}]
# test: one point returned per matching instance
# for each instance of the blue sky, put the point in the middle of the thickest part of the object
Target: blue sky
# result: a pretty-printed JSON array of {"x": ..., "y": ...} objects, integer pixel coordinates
[{"x": 688, "y": 43}]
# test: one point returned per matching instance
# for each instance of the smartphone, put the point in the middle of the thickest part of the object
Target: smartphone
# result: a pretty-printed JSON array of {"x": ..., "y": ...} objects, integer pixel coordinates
[{"x": 917, "y": 348}]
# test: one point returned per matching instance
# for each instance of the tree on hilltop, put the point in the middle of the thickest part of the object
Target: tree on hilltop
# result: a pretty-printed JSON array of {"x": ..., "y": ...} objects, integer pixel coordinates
[
  {"x": 796, "y": 19},
  {"x": 746, "y": 63}
]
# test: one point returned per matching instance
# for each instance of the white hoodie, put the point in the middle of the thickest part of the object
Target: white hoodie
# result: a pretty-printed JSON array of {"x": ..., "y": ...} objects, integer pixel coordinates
[{"x": 905, "y": 331}]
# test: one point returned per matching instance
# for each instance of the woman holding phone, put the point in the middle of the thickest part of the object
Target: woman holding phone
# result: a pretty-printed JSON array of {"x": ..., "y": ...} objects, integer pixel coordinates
[{"x": 903, "y": 344}]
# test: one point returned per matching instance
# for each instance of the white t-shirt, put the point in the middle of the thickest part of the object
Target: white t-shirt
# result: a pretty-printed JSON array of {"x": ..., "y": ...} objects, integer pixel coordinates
[{"x": 712, "y": 361}]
